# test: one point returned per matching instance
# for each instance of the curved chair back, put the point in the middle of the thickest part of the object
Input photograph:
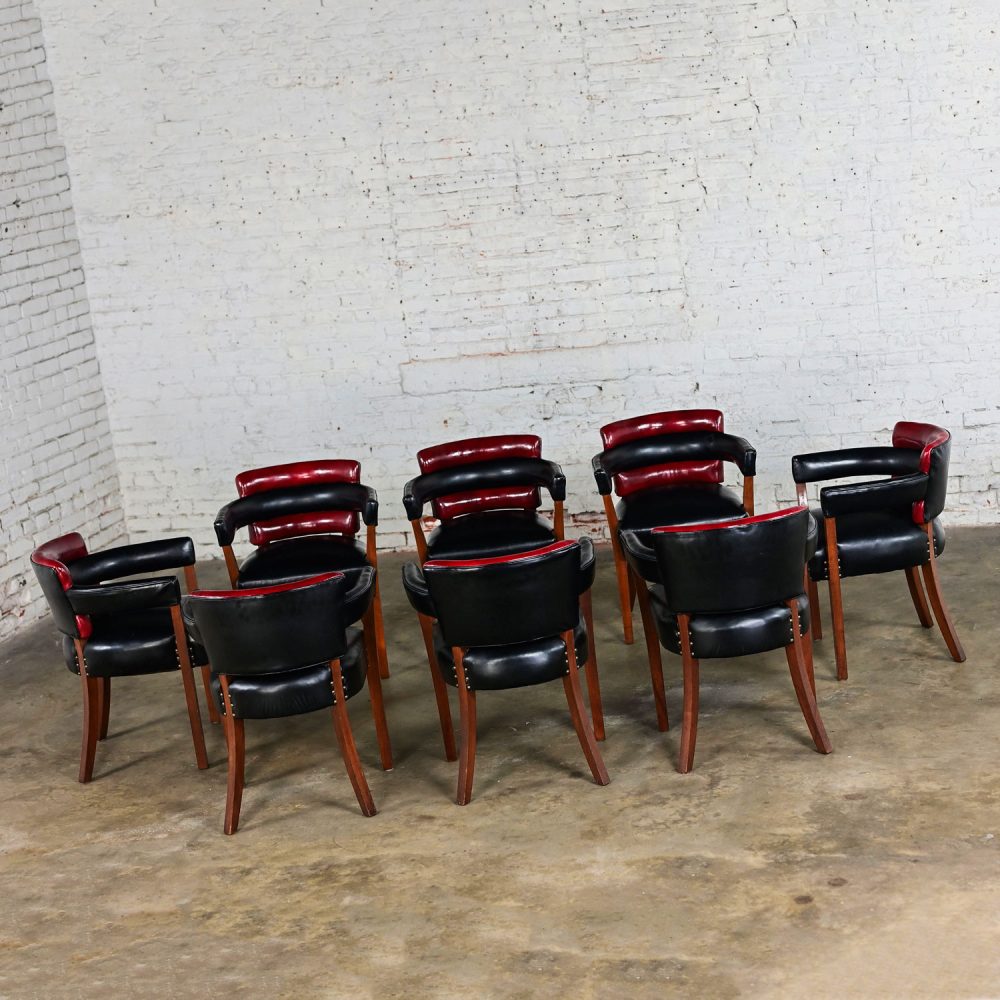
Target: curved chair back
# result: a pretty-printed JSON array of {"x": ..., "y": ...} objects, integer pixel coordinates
[
  {"x": 737, "y": 565},
  {"x": 270, "y": 629},
  {"x": 492, "y": 453},
  {"x": 934, "y": 444},
  {"x": 299, "y": 476},
  {"x": 50, "y": 562},
  {"x": 506, "y": 599},
  {"x": 659, "y": 469}
]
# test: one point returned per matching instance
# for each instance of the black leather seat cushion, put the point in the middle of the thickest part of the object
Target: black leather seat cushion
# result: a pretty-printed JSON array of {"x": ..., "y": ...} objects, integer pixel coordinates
[
  {"x": 691, "y": 503},
  {"x": 299, "y": 558},
  {"x": 874, "y": 542},
  {"x": 496, "y": 668},
  {"x": 735, "y": 634},
  {"x": 130, "y": 644},
  {"x": 489, "y": 533},
  {"x": 294, "y": 692}
]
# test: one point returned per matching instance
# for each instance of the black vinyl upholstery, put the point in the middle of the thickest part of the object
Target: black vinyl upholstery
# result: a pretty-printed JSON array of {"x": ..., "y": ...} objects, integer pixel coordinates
[
  {"x": 874, "y": 542},
  {"x": 688, "y": 503},
  {"x": 294, "y": 692},
  {"x": 489, "y": 533},
  {"x": 128, "y": 645},
  {"x": 495, "y": 668}
]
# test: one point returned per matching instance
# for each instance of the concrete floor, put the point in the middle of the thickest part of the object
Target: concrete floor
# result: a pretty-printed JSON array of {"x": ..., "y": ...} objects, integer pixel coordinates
[{"x": 770, "y": 871}]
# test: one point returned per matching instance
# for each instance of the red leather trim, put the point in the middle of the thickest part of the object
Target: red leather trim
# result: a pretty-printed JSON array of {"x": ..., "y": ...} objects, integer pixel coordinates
[
  {"x": 732, "y": 522},
  {"x": 653, "y": 476},
  {"x": 276, "y": 477},
  {"x": 918, "y": 513},
  {"x": 666, "y": 422},
  {"x": 327, "y": 522},
  {"x": 494, "y": 560},
  {"x": 54, "y": 555},
  {"x": 264, "y": 591},
  {"x": 479, "y": 449},
  {"x": 926, "y": 437},
  {"x": 476, "y": 501}
]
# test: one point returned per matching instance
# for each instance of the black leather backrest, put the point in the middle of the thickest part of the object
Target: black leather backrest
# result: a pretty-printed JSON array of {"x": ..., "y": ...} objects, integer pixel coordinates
[
  {"x": 509, "y": 599},
  {"x": 751, "y": 563},
  {"x": 271, "y": 629},
  {"x": 51, "y": 562}
]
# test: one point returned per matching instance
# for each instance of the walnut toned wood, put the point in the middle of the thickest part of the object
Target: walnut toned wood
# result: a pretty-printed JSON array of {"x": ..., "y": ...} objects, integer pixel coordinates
[
  {"x": 621, "y": 570},
  {"x": 689, "y": 722},
  {"x": 467, "y": 739},
  {"x": 345, "y": 740},
  {"x": 371, "y": 551},
  {"x": 421, "y": 541},
  {"x": 91, "y": 716},
  {"x": 558, "y": 522},
  {"x": 653, "y": 654},
  {"x": 440, "y": 688},
  {"x": 375, "y": 690},
  {"x": 836, "y": 600},
  {"x": 918, "y": 598},
  {"x": 805, "y": 687},
  {"x": 104, "y": 696},
  {"x": 593, "y": 679},
  {"x": 236, "y": 752},
  {"x": 190, "y": 695},
  {"x": 933, "y": 582},
  {"x": 232, "y": 566},
  {"x": 574, "y": 697},
  {"x": 748, "y": 501}
]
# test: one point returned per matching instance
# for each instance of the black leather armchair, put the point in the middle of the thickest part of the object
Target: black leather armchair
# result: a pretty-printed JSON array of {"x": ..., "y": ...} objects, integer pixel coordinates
[
  {"x": 303, "y": 519},
  {"x": 286, "y": 650},
  {"x": 120, "y": 629},
  {"x": 667, "y": 468},
  {"x": 726, "y": 589},
  {"x": 883, "y": 525},
  {"x": 504, "y": 622}
]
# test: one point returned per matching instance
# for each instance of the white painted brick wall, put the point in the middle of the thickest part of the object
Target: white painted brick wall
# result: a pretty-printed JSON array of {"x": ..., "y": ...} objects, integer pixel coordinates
[
  {"x": 57, "y": 468},
  {"x": 327, "y": 228}
]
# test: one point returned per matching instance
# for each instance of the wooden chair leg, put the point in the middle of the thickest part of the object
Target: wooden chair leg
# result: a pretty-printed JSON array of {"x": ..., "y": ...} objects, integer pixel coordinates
[
  {"x": 807, "y": 646},
  {"x": 836, "y": 600},
  {"x": 374, "y": 674},
  {"x": 621, "y": 571},
  {"x": 91, "y": 718},
  {"x": 918, "y": 598},
  {"x": 345, "y": 740},
  {"x": 467, "y": 739},
  {"x": 933, "y": 581},
  {"x": 213, "y": 709},
  {"x": 190, "y": 695},
  {"x": 815, "y": 616},
  {"x": 805, "y": 691},
  {"x": 383, "y": 654},
  {"x": 236, "y": 754},
  {"x": 653, "y": 654},
  {"x": 104, "y": 690},
  {"x": 574, "y": 696},
  {"x": 440, "y": 689},
  {"x": 689, "y": 724},
  {"x": 593, "y": 680}
]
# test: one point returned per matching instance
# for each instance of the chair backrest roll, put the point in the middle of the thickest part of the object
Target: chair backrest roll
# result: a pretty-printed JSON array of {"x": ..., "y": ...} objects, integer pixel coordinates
[
  {"x": 51, "y": 562},
  {"x": 301, "y": 475},
  {"x": 486, "y": 451},
  {"x": 506, "y": 599},
  {"x": 737, "y": 565},
  {"x": 270, "y": 629},
  {"x": 934, "y": 444}
]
